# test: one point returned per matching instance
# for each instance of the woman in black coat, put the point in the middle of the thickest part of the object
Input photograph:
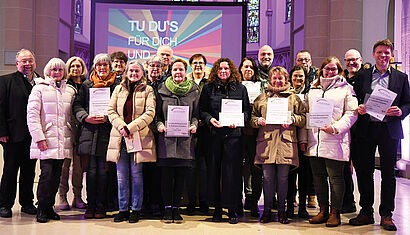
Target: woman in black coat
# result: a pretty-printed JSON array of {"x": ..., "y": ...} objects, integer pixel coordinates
[
  {"x": 225, "y": 157},
  {"x": 94, "y": 135}
]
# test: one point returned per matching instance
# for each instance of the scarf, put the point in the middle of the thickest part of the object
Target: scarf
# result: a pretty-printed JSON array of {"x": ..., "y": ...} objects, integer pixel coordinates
[
  {"x": 98, "y": 82},
  {"x": 270, "y": 90},
  {"x": 178, "y": 89},
  {"x": 326, "y": 82}
]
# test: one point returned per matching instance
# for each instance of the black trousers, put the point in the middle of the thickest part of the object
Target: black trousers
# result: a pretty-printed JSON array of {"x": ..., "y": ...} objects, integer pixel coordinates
[
  {"x": 224, "y": 171},
  {"x": 17, "y": 156},
  {"x": 49, "y": 182},
  {"x": 377, "y": 136},
  {"x": 172, "y": 185},
  {"x": 304, "y": 177},
  {"x": 249, "y": 170}
]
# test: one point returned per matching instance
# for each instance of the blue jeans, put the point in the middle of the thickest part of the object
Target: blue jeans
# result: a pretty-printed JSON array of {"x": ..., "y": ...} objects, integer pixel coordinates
[
  {"x": 128, "y": 170},
  {"x": 281, "y": 172}
]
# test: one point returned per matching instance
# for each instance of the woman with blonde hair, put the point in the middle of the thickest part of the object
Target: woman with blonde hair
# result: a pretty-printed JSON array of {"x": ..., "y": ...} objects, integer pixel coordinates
[
  {"x": 48, "y": 120},
  {"x": 131, "y": 110},
  {"x": 77, "y": 73},
  {"x": 277, "y": 144}
]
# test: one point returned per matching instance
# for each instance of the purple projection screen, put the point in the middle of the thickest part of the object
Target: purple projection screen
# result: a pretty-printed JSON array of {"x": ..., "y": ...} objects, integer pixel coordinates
[{"x": 138, "y": 29}]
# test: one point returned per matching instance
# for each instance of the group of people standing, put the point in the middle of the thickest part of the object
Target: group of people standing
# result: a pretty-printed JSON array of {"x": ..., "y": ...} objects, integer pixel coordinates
[{"x": 137, "y": 161}]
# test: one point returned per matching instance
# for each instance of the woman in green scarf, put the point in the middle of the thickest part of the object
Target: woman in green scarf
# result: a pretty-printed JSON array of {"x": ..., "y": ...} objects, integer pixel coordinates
[{"x": 176, "y": 121}]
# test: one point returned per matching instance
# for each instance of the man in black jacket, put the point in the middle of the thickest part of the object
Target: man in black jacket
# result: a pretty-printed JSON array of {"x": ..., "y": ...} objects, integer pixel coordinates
[
  {"x": 383, "y": 134},
  {"x": 15, "y": 138}
]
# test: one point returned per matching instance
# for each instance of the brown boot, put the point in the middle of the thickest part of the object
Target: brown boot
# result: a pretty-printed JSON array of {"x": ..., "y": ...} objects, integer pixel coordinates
[
  {"x": 322, "y": 217},
  {"x": 334, "y": 218}
]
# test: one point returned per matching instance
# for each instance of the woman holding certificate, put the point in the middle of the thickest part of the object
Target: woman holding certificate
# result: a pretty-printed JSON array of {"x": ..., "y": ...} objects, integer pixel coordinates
[
  {"x": 49, "y": 123},
  {"x": 224, "y": 106},
  {"x": 277, "y": 113},
  {"x": 176, "y": 121},
  {"x": 90, "y": 109},
  {"x": 131, "y": 110},
  {"x": 331, "y": 106},
  {"x": 252, "y": 175}
]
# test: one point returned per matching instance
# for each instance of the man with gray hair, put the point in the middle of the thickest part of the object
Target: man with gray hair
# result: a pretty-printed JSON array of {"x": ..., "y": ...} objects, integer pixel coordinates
[
  {"x": 166, "y": 53},
  {"x": 15, "y": 138}
]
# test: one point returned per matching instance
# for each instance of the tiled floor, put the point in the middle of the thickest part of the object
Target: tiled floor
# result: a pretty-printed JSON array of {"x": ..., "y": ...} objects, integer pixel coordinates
[{"x": 72, "y": 223}]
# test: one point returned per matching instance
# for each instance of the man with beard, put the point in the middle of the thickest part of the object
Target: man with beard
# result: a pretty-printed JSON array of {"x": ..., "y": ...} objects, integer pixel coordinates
[
  {"x": 265, "y": 58},
  {"x": 15, "y": 138}
]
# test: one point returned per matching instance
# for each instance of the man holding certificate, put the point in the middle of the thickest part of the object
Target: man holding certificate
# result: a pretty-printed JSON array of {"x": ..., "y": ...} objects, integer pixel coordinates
[
  {"x": 176, "y": 121},
  {"x": 277, "y": 113},
  {"x": 224, "y": 94},
  {"x": 379, "y": 125},
  {"x": 90, "y": 111}
]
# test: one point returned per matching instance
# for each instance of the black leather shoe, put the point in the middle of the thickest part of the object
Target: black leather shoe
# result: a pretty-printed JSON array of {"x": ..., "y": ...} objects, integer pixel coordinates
[
  {"x": 30, "y": 209},
  {"x": 217, "y": 217},
  {"x": 233, "y": 217},
  {"x": 134, "y": 217},
  {"x": 53, "y": 215},
  {"x": 266, "y": 217},
  {"x": 167, "y": 218},
  {"x": 42, "y": 216},
  {"x": 121, "y": 216},
  {"x": 5, "y": 212},
  {"x": 176, "y": 215},
  {"x": 361, "y": 220},
  {"x": 190, "y": 209}
]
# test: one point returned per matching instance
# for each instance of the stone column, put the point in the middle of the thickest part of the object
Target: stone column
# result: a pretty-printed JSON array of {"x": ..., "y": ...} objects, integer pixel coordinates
[
  {"x": 332, "y": 27},
  {"x": 31, "y": 24}
]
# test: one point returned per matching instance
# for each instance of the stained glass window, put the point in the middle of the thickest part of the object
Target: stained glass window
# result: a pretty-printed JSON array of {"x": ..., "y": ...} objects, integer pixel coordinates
[
  {"x": 78, "y": 16},
  {"x": 253, "y": 21},
  {"x": 288, "y": 10}
]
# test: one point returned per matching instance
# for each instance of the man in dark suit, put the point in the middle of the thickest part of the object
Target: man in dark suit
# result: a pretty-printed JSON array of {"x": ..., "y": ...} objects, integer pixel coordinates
[
  {"x": 383, "y": 134},
  {"x": 15, "y": 138}
]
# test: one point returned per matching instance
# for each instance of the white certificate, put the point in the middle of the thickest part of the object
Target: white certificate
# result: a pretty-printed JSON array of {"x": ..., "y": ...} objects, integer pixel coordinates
[
  {"x": 379, "y": 101},
  {"x": 133, "y": 144},
  {"x": 228, "y": 119},
  {"x": 99, "y": 100},
  {"x": 231, "y": 106},
  {"x": 177, "y": 121},
  {"x": 253, "y": 89},
  {"x": 321, "y": 113},
  {"x": 277, "y": 111}
]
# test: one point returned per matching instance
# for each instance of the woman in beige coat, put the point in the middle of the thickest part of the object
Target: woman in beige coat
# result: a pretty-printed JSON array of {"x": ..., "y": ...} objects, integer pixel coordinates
[
  {"x": 131, "y": 110},
  {"x": 276, "y": 144}
]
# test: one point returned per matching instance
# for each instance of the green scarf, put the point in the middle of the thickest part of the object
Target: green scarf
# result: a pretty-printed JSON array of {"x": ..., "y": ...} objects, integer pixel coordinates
[{"x": 178, "y": 89}]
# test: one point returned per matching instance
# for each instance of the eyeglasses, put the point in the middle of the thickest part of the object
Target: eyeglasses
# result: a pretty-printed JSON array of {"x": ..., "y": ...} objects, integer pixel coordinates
[
  {"x": 24, "y": 61},
  {"x": 198, "y": 63},
  {"x": 154, "y": 66},
  {"x": 352, "y": 59},
  {"x": 303, "y": 59},
  {"x": 330, "y": 69}
]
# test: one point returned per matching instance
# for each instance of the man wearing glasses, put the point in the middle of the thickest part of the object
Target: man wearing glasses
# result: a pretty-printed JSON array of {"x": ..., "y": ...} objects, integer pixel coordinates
[
  {"x": 15, "y": 138},
  {"x": 304, "y": 59}
]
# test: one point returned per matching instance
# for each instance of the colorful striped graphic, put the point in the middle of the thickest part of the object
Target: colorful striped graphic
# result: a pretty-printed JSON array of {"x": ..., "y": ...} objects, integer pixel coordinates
[{"x": 138, "y": 33}]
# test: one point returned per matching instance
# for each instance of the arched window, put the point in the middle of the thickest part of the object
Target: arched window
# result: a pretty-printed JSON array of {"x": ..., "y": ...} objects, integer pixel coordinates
[{"x": 78, "y": 16}]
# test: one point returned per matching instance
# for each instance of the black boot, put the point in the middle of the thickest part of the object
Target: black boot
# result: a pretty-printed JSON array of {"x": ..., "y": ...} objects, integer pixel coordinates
[
  {"x": 42, "y": 216},
  {"x": 176, "y": 216},
  {"x": 167, "y": 218}
]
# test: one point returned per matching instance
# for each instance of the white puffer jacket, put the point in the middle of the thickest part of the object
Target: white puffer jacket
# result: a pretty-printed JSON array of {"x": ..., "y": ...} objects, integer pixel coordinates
[
  {"x": 49, "y": 117},
  {"x": 337, "y": 145}
]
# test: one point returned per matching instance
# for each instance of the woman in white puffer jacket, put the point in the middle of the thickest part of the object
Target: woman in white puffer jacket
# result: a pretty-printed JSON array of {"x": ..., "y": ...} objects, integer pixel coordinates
[
  {"x": 328, "y": 146},
  {"x": 48, "y": 120}
]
